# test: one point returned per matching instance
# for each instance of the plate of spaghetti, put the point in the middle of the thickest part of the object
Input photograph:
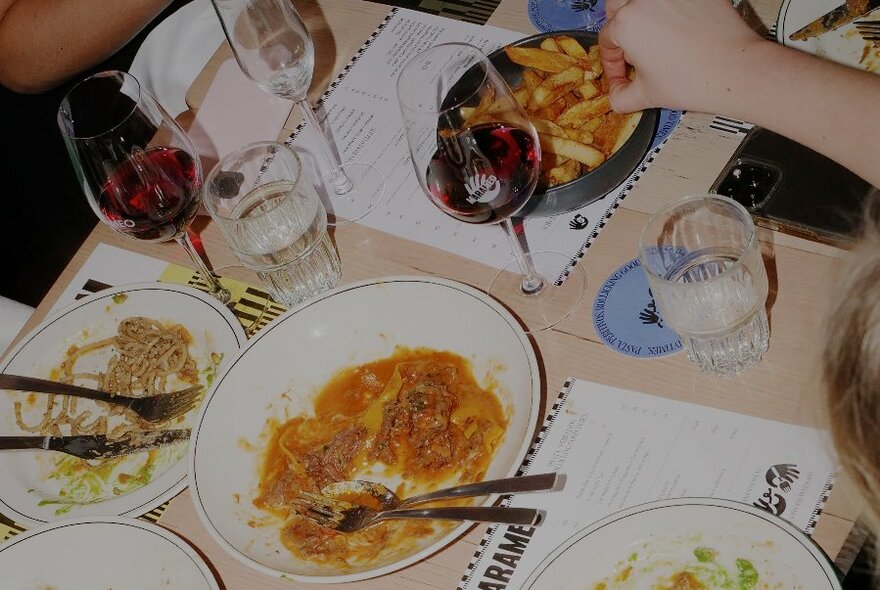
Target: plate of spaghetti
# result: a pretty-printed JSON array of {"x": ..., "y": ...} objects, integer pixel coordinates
[
  {"x": 414, "y": 382},
  {"x": 137, "y": 340}
]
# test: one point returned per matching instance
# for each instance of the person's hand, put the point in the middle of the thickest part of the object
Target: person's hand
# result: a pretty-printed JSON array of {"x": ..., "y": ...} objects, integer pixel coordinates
[{"x": 681, "y": 50}]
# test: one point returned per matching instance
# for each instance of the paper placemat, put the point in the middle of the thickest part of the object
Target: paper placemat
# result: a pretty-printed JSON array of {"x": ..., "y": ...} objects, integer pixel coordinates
[
  {"x": 360, "y": 110},
  {"x": 621, "y": 448},
  {"x": 109, "y": 266}
]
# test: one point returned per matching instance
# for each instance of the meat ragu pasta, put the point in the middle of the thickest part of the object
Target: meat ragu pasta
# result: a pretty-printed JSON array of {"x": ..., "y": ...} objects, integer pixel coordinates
[{"x": 419, "y": 415}]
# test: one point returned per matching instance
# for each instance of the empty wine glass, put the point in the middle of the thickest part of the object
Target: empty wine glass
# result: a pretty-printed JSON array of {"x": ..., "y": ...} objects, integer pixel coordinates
[
  {"x": 139, "y": 170},
  {"x": 273, "y": 47},
  {"x": 478, "y": 157}
]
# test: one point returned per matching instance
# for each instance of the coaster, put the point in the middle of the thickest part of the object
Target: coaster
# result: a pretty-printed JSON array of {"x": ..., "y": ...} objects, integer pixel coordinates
[
  {"x": 625, "y": 315},
  {"x": 665, "y": 124},
  {"x": 559, "y": 15}
]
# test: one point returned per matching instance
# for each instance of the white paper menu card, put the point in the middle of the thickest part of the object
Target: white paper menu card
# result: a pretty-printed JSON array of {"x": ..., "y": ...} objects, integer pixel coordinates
[{"x": 620, "y": 448}]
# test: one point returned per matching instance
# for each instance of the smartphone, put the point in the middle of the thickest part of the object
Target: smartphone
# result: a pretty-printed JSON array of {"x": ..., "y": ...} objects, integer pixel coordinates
[{"x": 793, "y": 189}]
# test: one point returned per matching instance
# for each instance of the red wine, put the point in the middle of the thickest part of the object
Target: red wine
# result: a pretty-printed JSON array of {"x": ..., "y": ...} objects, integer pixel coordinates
[
  {"x": 152, "y": 196},
  {"x": 484, "y": 174}
]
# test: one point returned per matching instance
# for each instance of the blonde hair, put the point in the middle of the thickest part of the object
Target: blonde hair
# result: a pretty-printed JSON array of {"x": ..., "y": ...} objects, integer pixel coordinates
[{"x": 852, "y": 368}]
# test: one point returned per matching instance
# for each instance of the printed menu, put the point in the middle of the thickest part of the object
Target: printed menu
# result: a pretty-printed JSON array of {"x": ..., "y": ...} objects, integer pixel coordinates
[
  {"x": 620, "y": 448},
  {"x": 360, "y": 111}
]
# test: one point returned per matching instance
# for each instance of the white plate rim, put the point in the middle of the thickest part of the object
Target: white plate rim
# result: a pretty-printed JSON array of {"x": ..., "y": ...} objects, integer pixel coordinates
[
  {"x": 163, "y": 533},
  {"x": 802, "y": 539},
  {"x": 225, "y": 313},
  {"x": 444, "y": 541}
]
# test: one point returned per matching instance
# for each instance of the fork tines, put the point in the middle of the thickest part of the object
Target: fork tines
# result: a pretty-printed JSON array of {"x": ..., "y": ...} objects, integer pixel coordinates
[
  {"x": 869, "y": 29},
  {"x": 325, "y": 511}
]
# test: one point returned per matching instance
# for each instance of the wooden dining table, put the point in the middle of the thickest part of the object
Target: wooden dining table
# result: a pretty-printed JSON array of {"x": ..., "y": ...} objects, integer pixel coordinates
[{"x": 786, "y": 386}]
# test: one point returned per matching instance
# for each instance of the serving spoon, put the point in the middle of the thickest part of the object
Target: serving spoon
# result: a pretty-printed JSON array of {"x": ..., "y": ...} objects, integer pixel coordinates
[{"x": 375, "y": 495}]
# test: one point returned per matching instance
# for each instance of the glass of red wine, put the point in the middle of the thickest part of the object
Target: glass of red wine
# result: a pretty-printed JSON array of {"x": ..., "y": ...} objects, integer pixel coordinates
[
  {"x": 139, "y": 170},
  {"x": 477, "y": 156}
]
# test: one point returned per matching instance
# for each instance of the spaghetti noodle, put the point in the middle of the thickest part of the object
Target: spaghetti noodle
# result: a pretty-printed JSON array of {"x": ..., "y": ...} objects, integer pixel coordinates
[{"x": 145, "y": 354}]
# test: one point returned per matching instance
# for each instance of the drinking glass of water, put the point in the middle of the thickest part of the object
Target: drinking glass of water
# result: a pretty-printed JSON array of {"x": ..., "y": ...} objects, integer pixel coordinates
[
  {"x": 273, "y": 220},
  {"x": 704, "y": 266}
]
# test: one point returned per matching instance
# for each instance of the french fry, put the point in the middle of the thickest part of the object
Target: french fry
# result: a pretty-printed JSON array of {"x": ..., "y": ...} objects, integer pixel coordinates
[
  {"x": 588, "y": 89},
  {"x": 590, "y": 124},
  {"x": 626, "y": 130},
  {"x": 585, "y": 154},
  {"x": 555, "y": 87},
  {"x": 594, "y": 61},
  {"x": 563, "y": 173},
  {"x": 552, "y": 112},
  {"x": 570, "y": 46},
  {"x": 550, "y": 160},
  {"x": 570, "y": 99},
  {"x": 541, "y": 59},
  {"x": 548, "y": 127},
  {"x": 550, "y": 44},
  {"x": 578, "y": 135},
  {"x": 574, "y": 116},
  {"x": 531, "y": 79}
]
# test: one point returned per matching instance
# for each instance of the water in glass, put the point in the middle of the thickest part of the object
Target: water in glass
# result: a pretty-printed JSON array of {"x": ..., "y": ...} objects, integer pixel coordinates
[
  {"x": 722, "y": 327},
  {"x": 290, "y": 249},
  {"x": 706, "y": 273}
]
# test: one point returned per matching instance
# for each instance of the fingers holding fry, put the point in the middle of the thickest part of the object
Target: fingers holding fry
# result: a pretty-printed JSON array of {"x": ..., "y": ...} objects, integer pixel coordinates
[{"x": 565, "y": 94}]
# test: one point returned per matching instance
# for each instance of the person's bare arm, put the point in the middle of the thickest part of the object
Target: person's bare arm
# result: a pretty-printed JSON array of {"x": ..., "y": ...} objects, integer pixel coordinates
[
  {"x": 45, "y": 42},
  {"x": 699, "y": 55}
]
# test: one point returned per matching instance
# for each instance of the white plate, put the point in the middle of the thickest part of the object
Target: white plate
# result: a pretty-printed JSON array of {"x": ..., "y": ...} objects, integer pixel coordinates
[
  {"x": 300, "y": 351},
  {"x": 25, "y": 482},
  {"x": 659, "y": 538},
  {"x": 99, "y": 553},
  {"x": 843, "y": 45}
]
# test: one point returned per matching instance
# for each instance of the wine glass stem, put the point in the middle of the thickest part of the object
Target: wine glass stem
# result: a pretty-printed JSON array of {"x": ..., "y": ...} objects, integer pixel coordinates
[
  {"x": 342, "y": 184},
  {"x": 532, "y": 281},
  {"x": 217, "y": 290}
]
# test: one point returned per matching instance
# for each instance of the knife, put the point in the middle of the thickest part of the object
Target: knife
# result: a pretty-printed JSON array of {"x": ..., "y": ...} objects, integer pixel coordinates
[
  {"x": 98, "y": 446},
  {"x": 836, "y": 18}
]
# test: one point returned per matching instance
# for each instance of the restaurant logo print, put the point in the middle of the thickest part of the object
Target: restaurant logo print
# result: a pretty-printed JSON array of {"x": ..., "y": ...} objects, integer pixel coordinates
[{"x": 779, "y": 480}]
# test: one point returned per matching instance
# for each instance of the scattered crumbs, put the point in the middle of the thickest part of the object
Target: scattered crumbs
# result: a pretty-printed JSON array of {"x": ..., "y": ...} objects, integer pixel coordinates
[
  {"x": 246, "y": 445},
  {"x": 120, "y": 298},
  {"x": 236, "y": 498}
]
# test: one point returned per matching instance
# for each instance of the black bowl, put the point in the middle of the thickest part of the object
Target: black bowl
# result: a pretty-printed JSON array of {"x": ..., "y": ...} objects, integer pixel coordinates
[{"x": 597, "y": 183}]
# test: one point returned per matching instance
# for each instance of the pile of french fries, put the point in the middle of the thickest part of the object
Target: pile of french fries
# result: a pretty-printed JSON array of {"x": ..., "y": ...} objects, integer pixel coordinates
[{"x": 566, "y": 97}]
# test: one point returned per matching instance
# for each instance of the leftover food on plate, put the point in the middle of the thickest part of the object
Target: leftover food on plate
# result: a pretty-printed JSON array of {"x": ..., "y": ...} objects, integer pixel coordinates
[
  {"x": 704, "y": 569},
  {"x": 565, "y": 94},
  {"x": 144, "y": 357},
  {"x": 418, "y": 417}
]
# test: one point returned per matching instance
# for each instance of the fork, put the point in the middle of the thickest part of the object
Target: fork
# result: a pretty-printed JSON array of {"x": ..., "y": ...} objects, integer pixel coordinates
[
  {"x": 154, "y": 408},
  {"x": 869, "y": 30},
  {"x": 346, "y": 518}
]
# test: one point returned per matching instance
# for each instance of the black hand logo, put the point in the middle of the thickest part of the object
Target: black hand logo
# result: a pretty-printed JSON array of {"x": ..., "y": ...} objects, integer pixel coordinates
[
  {"x": 583, "y": 4},
  {"x": 579, "y": 222},
  {"x": 650, "y": 315},
  {"x": 782, "y": 476}
]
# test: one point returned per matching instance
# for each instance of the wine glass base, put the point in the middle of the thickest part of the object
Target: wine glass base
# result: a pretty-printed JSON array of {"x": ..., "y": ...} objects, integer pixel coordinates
[
  {"x": 366, "y": 194},
  {"x": 552, "y": 304}
]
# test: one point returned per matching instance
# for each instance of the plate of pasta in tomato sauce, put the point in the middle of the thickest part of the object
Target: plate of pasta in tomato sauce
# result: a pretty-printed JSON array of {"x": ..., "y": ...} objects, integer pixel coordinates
[{"x": 417, "y": 383}]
